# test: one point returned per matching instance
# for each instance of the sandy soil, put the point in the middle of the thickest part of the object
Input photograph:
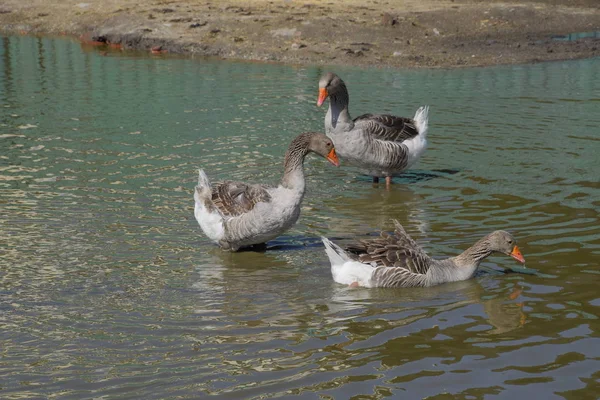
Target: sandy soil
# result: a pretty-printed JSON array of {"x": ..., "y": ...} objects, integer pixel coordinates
[{"x": 409, "y": 33}]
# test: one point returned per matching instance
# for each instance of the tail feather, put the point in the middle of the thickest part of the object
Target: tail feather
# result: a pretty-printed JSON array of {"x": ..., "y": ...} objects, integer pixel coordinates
[
  {"x": 335, "y": 253},
  {"x": 422, "y": 120},
  {"x": 344, "y": 269},
  {"x": 203, "y": 187},
  {"x": 208, "y": 216},
  {"x": 203, "y": 180}
]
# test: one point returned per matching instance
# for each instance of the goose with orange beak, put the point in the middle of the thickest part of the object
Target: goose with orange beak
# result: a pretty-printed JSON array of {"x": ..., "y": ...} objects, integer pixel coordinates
[
  {"x": 396, "y": 260},
  {"x": 381, "y": 145},
  {"x": 235, "y": 215}
]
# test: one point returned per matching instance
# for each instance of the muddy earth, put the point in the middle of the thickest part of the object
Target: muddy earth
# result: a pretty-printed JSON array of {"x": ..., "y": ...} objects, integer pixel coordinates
[{"x": 409, "y": 33}]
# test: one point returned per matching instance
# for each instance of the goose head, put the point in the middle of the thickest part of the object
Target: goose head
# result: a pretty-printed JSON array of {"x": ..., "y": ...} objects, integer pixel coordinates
[
  {"x": 310, "y": 142},
  {"x": 329, "y": 85},
  {"x": 504, "y": 242},
  {"x": 323, "y": 146}
]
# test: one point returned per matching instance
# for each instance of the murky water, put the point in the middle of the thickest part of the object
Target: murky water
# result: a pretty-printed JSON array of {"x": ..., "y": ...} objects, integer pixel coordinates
[
  {"x": 109, "y": 290},
  {"x": 571, "y": 37}
]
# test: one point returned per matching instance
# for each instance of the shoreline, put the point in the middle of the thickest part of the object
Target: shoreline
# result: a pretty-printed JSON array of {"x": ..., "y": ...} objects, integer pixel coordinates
[{"x": 420, "y": 34}]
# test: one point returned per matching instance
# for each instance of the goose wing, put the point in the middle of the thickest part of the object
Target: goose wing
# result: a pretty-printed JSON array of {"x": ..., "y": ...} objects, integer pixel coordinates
[
  {"x": 394, "y": 252},
  {"x": 236, "y": 198},
  {"x": 394, "y": 277},
  {"x": 388, "y": 128}
]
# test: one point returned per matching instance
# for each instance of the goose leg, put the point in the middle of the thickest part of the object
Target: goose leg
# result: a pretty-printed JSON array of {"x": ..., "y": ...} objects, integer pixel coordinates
[
  {"x": 388, "y": 181},
  {"x": 515, "y": 293}
]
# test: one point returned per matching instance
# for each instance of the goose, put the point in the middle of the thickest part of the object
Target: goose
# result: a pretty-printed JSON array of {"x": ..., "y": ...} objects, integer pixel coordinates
[
  {"x": 237, "y": 214},
  {"x": 398, "y": 261},
  {"x": 381, "y": 145}
]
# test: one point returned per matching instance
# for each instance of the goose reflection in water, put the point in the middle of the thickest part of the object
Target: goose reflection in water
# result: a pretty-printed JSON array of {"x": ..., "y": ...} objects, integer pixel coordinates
[
  {"x": 407, "y": 334},
  {"x": 263, "y": 290},
  {"x": 367, "y": 212}
]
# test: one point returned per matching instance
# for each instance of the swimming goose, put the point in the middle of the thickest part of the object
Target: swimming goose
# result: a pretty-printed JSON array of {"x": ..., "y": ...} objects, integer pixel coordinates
[
  {"x": 379, "y": 144},
  {"x": 237, "y": 214},
  {"x": 398, "y": 261}
]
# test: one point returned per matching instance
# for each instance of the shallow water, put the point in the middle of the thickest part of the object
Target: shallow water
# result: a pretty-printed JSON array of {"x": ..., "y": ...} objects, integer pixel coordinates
[{"x": 108, "y": 289}]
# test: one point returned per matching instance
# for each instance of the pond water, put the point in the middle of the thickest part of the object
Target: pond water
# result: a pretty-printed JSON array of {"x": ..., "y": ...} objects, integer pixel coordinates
[{"x": 108, "y": 288}]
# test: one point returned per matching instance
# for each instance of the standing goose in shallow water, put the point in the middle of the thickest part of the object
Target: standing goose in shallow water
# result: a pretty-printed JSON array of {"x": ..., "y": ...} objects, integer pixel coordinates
[
  {"x": 398, "y": 261},
  {"x": 237, "y": 214},
  {"x": 381, "y": 145}
]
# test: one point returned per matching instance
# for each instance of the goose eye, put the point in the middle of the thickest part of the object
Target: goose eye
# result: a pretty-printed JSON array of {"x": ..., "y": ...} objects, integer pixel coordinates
[{"x": 510, "y": 242}]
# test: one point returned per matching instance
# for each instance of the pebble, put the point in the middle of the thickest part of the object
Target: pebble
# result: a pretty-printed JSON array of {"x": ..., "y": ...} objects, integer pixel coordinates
[
  {"x": 285, "y": 32},
  {"x": 388, "y": 19},
  {"x": 198, "y": 24}
]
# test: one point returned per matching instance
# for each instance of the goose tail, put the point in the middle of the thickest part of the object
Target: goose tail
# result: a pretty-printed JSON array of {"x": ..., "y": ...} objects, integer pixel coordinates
[
  {"x": 422, "y": 120},
  {"x": 203, "y": 180},
  {"x": 203, "y": 186},
  {"x": 344, "y": 269},
  {"x": 337, "y": 256},
  {"x": 207, "y": 215}
]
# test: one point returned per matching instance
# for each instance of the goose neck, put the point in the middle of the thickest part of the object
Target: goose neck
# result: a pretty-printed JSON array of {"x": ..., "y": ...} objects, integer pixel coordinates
[
  {"x": 293, "y": 165},
  {"x": 338, "y": 107},
  {"x": 474, "y": 254}
]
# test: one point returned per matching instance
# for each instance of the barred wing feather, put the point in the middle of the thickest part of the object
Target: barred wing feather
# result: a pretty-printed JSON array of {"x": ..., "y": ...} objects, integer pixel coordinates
[
  {"x": 236, "y": 198},
  {"x": 387, "y": 127}
]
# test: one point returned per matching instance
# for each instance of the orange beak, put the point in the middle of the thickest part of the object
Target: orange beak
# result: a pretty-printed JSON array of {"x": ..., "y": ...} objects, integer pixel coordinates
[
  {"x": 322, "y": 96},
  {"x": 333, "y": 158},
  {"x": 516, "y": 254}
]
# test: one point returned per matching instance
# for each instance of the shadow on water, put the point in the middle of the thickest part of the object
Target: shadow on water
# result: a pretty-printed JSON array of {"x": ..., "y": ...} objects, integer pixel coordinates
[
  {"x": 255, "y": 257},
  {"x": 297, "y": 242},
  {"x": 287, "y": 243},
  {"x": 415, "y": 176}
]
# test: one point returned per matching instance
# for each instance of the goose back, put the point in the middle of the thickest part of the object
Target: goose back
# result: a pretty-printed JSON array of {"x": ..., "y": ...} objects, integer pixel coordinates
[
  {"x": 387, "y": 127},
  {"x": 236, "y": 198},
  {"x": 397, "y": 250}
]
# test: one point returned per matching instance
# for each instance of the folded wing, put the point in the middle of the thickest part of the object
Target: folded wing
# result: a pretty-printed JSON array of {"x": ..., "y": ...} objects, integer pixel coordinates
[
  {"x": 236, "y": 198},
  {"x": 387, "y": 127},
  {"x": 393, "y": 251}
]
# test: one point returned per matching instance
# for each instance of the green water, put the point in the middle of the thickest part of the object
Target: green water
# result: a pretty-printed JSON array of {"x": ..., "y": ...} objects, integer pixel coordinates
[{"x": 108, "y": 289}]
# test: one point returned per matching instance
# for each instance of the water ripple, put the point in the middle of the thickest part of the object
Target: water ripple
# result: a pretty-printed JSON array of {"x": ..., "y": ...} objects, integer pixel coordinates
[{"x": 109, "y": 290}]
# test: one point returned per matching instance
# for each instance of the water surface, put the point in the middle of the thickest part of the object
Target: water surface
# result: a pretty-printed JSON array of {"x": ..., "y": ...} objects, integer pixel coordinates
[{"x": 108, "y": 289}]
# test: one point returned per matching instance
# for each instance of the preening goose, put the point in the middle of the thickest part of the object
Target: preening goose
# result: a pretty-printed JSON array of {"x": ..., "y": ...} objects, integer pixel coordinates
[
  {"x": 381, "y": 145},
  {"x": 398, "y": 261},
  {"x": 238, "y": 214}
]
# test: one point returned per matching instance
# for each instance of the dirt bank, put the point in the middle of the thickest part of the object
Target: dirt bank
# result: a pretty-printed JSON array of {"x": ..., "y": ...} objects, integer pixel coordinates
[{"x": 410, "y": 33}]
